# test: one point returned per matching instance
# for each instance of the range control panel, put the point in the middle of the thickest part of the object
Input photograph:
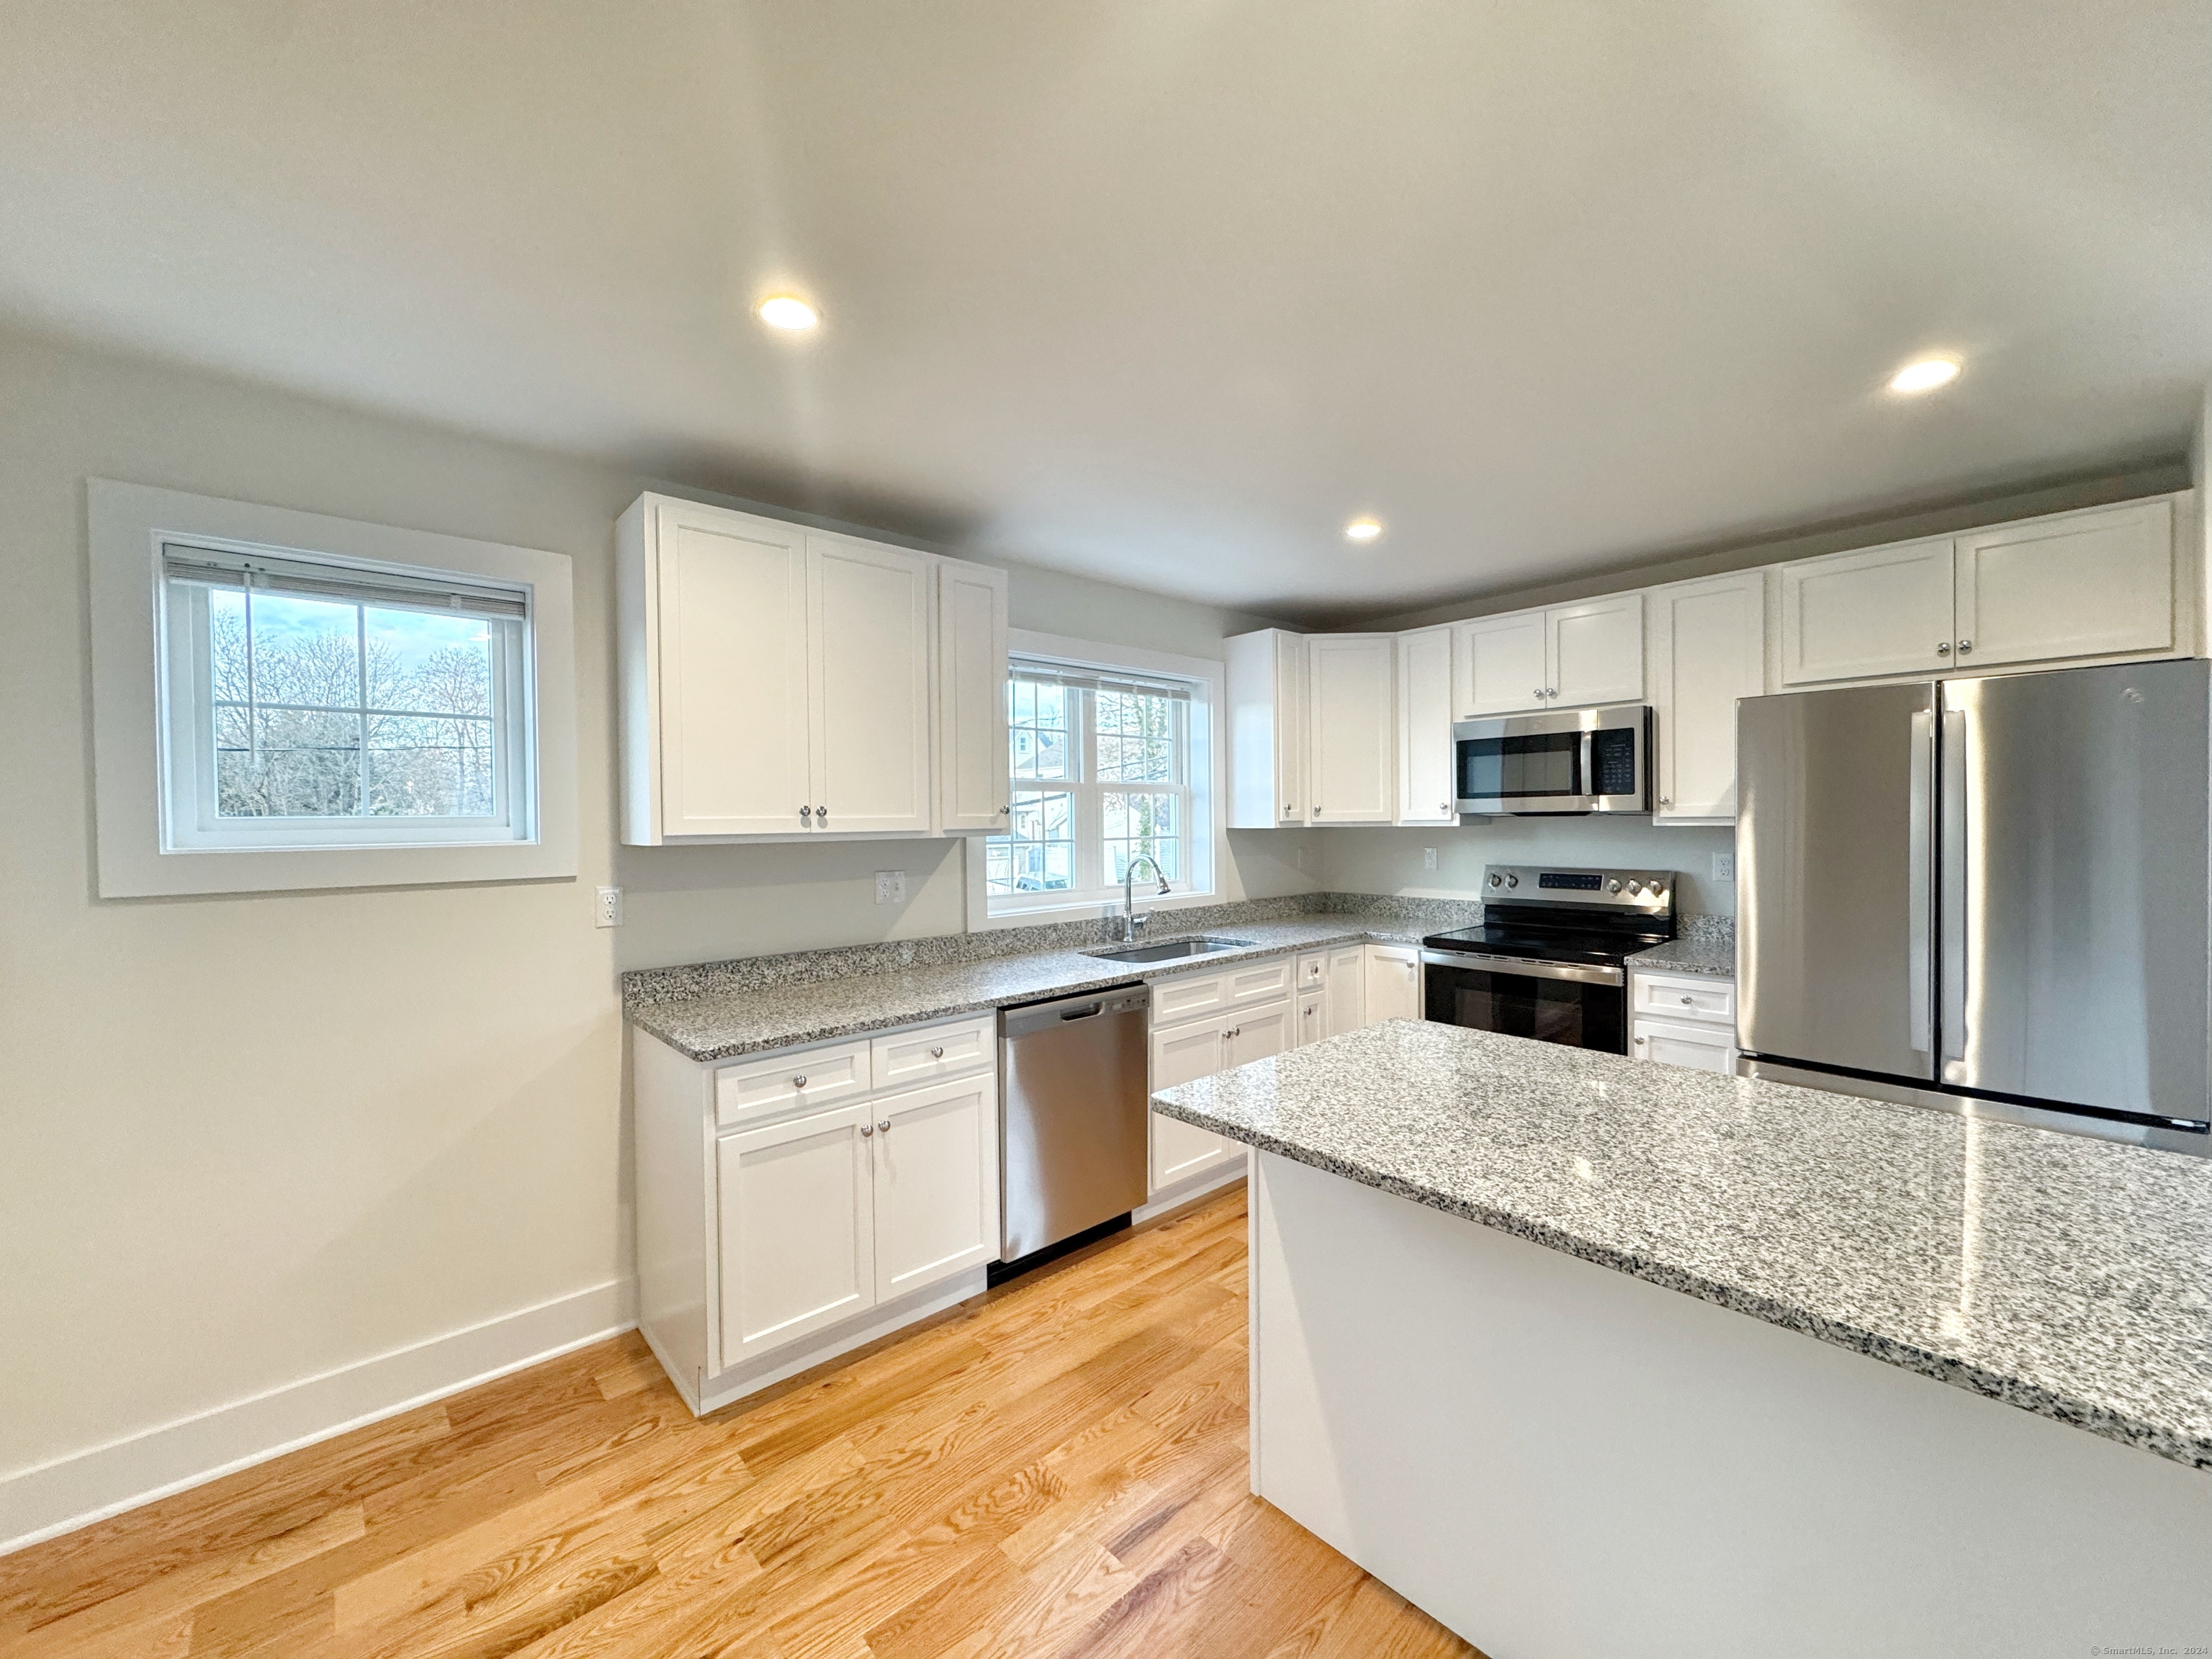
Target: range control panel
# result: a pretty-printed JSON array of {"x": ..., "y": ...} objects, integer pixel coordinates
[{"x": 1649, "y": 890}]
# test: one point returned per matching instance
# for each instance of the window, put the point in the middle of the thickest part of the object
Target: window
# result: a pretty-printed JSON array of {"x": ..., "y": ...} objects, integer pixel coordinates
[
  {"x": 314, "y": 703},
  {"x": 1104, "y": 766},
  {"x": 283, "y": 700}
]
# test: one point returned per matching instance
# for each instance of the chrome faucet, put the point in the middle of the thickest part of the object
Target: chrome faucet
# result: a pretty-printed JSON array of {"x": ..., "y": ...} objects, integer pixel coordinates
[{"x": 1132, "y": 925}]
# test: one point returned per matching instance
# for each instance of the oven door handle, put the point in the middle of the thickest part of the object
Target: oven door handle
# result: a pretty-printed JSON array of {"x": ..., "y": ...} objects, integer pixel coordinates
[{"x": 1527, "y": 966}]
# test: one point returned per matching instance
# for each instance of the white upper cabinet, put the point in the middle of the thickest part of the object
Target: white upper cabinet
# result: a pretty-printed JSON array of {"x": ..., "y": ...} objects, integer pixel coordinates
[
  {"x": 2089, "y": 584},
  {"x": 1707, "y": 648},
  {"x": 1501, "y": 665},
  {"x": 715, "y": 694},
  {"x": 1351, "y": 720},
  {"x": 1424, "y": 723},
  {"x": 971, "y": 713},
  {"x": 1859, "y": 615},
  {"x": 868, "y": 634},
  {"x": 1267, "y": 697},
  {"x": 1595, "y": 652},
  {"x": 1571, "y": 656}
]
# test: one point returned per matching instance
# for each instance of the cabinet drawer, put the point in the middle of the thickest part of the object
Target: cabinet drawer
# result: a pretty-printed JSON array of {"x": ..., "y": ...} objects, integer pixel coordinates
[
  {"x": 933, "y": 1052},
  {"x": 1313, "y": 971},
  {"x": 776, "y": 1083},
  {"x": 1188, "y": 996},
  {"x": 1700, "y": 1047},
  {"x": 1682, "y": 997},
  {"x": 1259, "y": 981}
]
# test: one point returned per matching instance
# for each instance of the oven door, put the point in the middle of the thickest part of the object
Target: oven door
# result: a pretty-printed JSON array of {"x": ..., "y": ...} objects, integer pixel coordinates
[
  {"x": 1580, "y": 1005},
  {"x": 1582, "y": 760}
]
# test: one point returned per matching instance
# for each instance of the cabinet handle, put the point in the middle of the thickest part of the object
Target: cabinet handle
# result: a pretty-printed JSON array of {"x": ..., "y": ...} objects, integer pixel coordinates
[
  {"x": 1443, "y": 806},
  {"x": 884, "y": 1124},
  {"x": 938, "y": 1054},
  {"x": 1538, "y": 692},
  {"x": 798, "y": 1082},
  {"x": 1942, "y": 647},
  {"x": 1965, "y": 645},
  {"x": 1316, "y": 809},
  {"x": 1663, "y": 801},
  {"x": 1686, "y": 1001},
  {"x": 821, "y": 814},
  {"x": 1552, "y": 691},
  {"x": 804, "y": 814},
  {"x": 1007, "y": 808},
  {"x": 1640, "y": 1042},
  {"x": 1288, "y": 809},
  {"x": 866, "y": 1131}
]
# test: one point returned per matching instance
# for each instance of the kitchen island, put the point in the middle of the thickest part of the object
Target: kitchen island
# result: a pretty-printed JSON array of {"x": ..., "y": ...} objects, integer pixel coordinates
[{"x": 1588, "y": 1357}]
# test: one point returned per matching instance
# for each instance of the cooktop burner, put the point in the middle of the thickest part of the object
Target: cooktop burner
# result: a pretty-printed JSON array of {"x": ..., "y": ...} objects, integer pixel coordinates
[
  {"x": 1549, "y": 945},
  {"x": 1567, "y": 915}
]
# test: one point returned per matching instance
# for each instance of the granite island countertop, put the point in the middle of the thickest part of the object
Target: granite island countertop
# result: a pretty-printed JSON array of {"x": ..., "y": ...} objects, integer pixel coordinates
[
  {"x": 2063, "y": 1275},
  {"x": 720, "y": 1010}
]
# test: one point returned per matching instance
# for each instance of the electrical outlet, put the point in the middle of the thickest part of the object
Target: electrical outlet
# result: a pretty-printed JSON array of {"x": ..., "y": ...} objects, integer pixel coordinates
[
  {"x": 606, "y": 910},
  {"x": 1428, "y": 858},
  {"x": 1723, "y": 867},
  {"x": 890, "y": 887}
]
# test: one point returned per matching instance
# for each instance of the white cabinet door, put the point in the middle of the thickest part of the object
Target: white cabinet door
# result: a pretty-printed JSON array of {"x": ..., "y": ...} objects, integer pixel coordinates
[
  {"x": 1266, "y": 698},
  {"x": 1351, "y": 746},
  {"x": 1703, "y": 1048},
  {"x": 797, "y": 1229},
  {"x": 1313, "y": 1017},
  {"x": 1424, "y": 724},
  {"x": 730, "y": 619},
  {"x": 1346, "y": 993},
  {"x": 971, "y": 697},
  {"x": 936, "y": 1182},
  {"x": 868, "y": 627},
  {"x": 1856, "y": 616},
  {"x": 1707, "y": 648},
  {"x": 2081, "y": 585},
  {"x": 1499, "y": 665},
  {"x": 1257, "y": 1034},
  {"x": 1394, "y": 982},
  {"x": 1183, "y": 1054},
  {"x": 1595, "y": 652}
]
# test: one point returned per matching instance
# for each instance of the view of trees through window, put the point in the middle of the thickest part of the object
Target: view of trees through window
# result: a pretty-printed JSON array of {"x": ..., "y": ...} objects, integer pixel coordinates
[
  {"x": 1100, "y": 779},
  {"x": 328, "y": 708}
]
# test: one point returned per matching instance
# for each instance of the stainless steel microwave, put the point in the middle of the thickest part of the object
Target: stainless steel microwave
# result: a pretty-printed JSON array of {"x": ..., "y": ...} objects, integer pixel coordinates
[{"x": 1573, "y": 760}]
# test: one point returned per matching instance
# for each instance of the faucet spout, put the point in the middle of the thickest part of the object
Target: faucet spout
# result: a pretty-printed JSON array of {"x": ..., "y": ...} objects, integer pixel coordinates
[{"x": 1131, "y": 921}]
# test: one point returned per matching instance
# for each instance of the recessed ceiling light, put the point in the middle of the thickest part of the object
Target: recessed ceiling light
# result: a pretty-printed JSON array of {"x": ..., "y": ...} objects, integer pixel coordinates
[
  {"x": 1363, "y": 530},
  {"x": 788, "y": 312},
  {"x": 1924, "y": 374}
]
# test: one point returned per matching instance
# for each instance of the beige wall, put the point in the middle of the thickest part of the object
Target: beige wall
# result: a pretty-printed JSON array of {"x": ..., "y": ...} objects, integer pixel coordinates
[{"x": 244, "y": 1140}]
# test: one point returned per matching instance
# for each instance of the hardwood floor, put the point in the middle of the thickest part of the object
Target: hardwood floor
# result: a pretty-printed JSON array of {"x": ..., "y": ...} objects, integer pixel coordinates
[{"x": 1057, "y": 1467}]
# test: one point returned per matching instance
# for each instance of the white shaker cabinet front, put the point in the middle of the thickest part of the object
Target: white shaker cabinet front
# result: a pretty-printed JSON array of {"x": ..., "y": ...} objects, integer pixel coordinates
[
  {"x": 1571, "y": 656},
  {"x": 1352, "y": 745},
  {"x": 2098, "y": 583},
  {"x": 868, "y": 626},
  {"x": 1501, "y": 664},
  {"x": 797, "y": 1239},
  {"x": 1708, "y": 648},
  {"x": 936, "y": 1156},
  {"x": 1394, "y": 982},
  {"x": 1185, "y": 1054},
  {"x": 1426, "y": 792},
  {"x": 973, "y": 791},
  {"x": 1266, "y": 684},
  {"x": 1860, "y": 616},
  {"x": 1345, "y": 990}
]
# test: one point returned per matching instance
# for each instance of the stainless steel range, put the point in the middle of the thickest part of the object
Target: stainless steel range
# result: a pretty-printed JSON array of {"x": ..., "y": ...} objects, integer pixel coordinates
[{"x": 1547, "y": 961}]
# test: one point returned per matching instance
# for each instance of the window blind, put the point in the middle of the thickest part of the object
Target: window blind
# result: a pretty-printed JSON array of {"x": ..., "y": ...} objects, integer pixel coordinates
[
  {"x": 391, "y": 590},
  {"x": 1029, "y": 670}
]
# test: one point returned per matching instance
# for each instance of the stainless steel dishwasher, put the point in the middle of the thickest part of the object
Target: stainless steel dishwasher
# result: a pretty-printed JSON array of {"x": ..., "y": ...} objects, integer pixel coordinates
[{"x": 1073, "y": 1141}]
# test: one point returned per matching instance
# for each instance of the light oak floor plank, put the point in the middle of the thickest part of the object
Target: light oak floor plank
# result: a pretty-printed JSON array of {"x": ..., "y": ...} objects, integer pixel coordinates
[{"x": 1054, "y": 1470}]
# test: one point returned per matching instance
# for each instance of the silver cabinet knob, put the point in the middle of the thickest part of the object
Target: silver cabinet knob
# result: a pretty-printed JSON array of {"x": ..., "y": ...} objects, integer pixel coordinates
[
  {"x": 821, "y": 813},
  {"x": 798, "y": 1082},
  {"x": 1942, "y": 647},
  {"x": 1316, "y": 809},
  {"x": 1288, "y": 809},
  {"x": 884, "y": 1124},
  {"x": 1551, "y": 691},
  {"x": 1640, "y": 1042},
  {"x": 1443, "y": 806},
  {"x": 1538, "y": 692},
  {"x": 1663, "y": 801},
  {"x": 938, "y": 1054},
  {"x": 1965, "y": 645},
  {"x": 805, "y": 812},
  {"x": 1687, "y": 1001},
  {"x": 866, "y": 1131},
  {"x": 1007, "y": 808}
]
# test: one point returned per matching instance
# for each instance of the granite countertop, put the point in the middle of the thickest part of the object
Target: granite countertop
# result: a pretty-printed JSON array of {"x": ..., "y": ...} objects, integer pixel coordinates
[
  {"x": 1704, "y": 954},
  {"x": 2061, "y": 1274},
  {"x": 721, "y": 1022}
]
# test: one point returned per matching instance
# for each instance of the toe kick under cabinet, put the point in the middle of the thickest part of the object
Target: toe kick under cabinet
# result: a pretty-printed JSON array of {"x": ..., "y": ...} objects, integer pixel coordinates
[{"x": 796, "y": 1204}]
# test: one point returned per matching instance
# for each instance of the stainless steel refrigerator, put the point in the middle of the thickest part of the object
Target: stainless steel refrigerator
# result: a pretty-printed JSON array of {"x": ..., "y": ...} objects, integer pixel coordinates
[{"x": 1987, "y": 891}]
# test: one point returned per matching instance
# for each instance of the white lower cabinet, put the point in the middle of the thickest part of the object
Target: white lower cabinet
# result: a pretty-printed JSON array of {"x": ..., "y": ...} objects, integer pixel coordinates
[
  {"x": 1345, "y": 990},
  {"x": 798, "y": 1230},
  {"x": 1184, "y": 1054},
  {"x": 776, "y": 1230},
  {"x": 1313, "y": 1016},
  {"x": 1701, "y": 1048},
  {"x": 1683, "y": 1019},
  {"x": 1394, "y": 982}
]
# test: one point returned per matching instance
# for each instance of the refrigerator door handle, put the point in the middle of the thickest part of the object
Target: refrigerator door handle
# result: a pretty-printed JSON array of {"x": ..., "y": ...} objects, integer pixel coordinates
[
  {"x": 1921, "y": 943},
  {"x": 1952, "y": 877}
]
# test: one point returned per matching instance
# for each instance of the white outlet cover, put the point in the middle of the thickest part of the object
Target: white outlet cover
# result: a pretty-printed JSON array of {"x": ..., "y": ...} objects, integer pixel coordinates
[
  {"x": 1723, "y": 867},
  {"x": 1428, "y": 858},
  {"x": 890, "y": 887},
  {"x": 607, "y": 908}
]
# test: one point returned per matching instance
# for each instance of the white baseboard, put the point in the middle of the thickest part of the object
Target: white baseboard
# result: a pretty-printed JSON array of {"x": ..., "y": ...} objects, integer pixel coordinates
[
  {"x": 1174, "y": 1198},
  {"x": 57, "y": 1497}
]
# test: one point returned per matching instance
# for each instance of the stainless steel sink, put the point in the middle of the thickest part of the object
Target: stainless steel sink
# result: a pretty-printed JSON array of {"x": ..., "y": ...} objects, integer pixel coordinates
[{"x": 1172, "y": 950}]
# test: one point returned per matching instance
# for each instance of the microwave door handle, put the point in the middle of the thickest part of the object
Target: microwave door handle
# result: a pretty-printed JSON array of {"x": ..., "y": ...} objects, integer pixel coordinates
[
  {"x": 1952, "y": 877},
  {"x": 1920, "y": 857},
  {"x": 1586, "y": 785}
]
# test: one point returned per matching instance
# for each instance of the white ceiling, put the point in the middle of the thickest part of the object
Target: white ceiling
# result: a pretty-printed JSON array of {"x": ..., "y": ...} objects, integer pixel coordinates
[{"x": 1165, "y": 290}]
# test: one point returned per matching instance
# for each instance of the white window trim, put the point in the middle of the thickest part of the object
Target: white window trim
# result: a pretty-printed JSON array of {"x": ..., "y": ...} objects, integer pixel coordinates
[
  {"x": 128, "y": 524},
  {"x": 1208, "y": 760}
]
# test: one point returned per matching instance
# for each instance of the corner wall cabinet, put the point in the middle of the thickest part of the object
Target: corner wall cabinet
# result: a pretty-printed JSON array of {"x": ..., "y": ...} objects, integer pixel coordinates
[
  {"x": 1354, "y": 718},
  {"x": 777, "y": 681},
  {"x": 796, "y": 1204}
]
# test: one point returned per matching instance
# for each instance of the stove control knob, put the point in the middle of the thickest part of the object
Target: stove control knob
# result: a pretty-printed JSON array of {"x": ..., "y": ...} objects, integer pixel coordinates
[
  {"x": 1497, "y": 881},
  {"x": 1634, "y": 888},
  {"x": 1615, "y": 887},
  {"x": 1512, "y": 881}
]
